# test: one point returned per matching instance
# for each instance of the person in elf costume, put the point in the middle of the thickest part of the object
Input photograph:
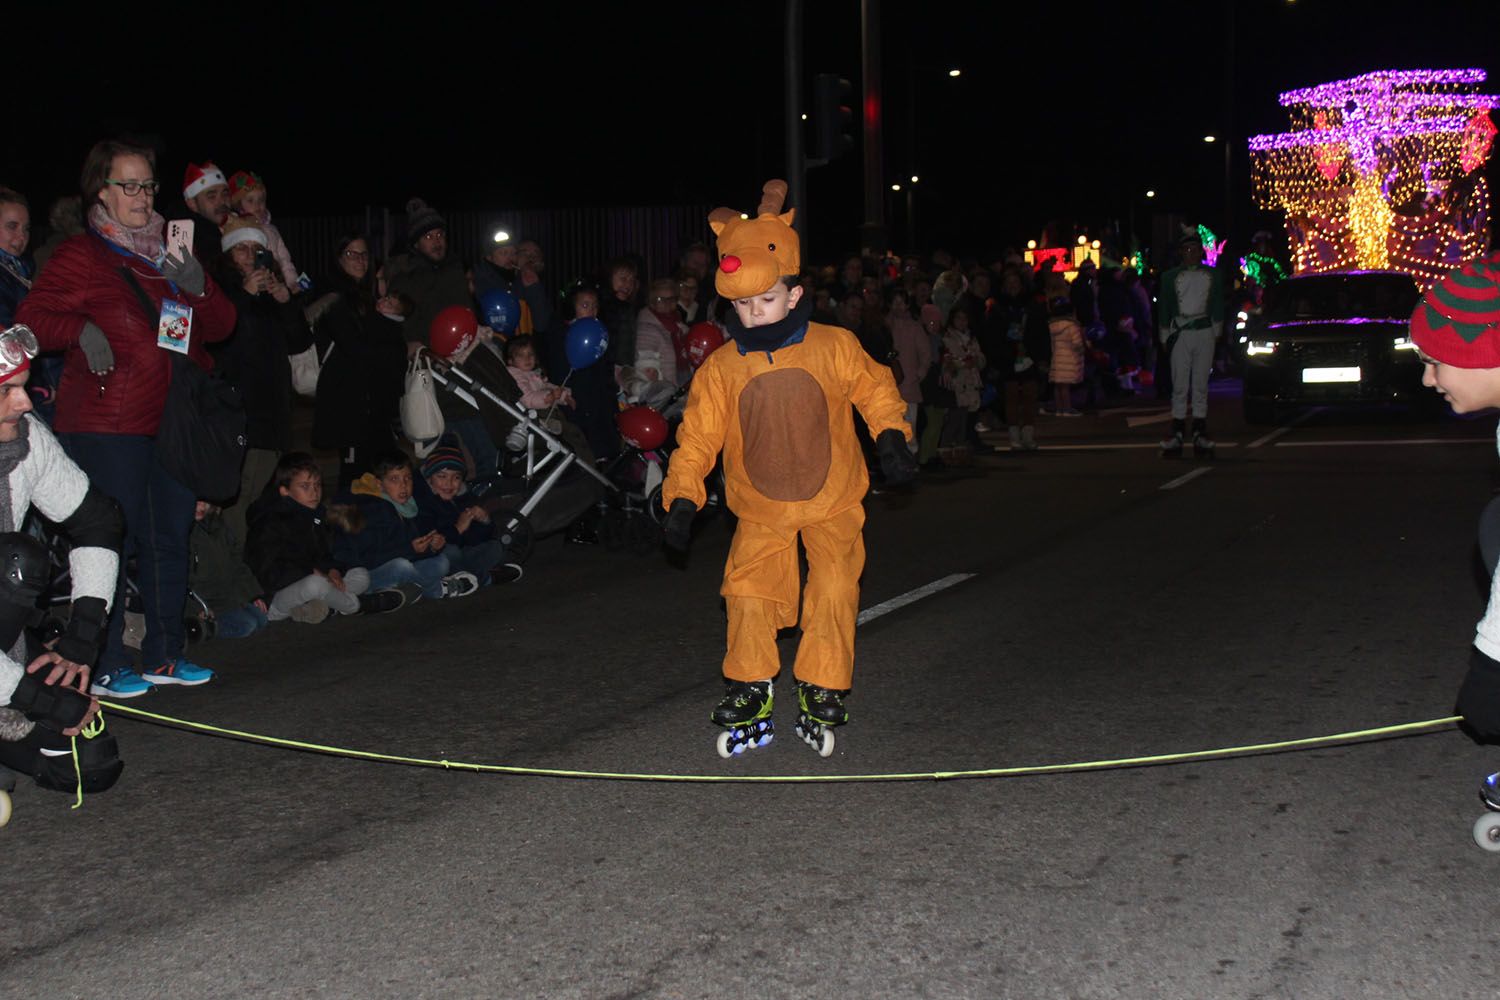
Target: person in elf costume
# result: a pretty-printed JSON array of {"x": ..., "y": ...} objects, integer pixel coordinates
[{"x": 777, "y": 403}]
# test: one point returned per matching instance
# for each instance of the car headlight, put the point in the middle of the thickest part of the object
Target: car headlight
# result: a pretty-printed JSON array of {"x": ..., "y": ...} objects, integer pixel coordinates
[
  {"x": 1255, "y": 347},
  {"x": 1404, "y": 344}
]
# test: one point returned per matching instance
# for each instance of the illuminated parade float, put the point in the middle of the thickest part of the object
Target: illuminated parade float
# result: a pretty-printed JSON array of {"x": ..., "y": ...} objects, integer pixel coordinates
[{"x": 1382, "y": 171}]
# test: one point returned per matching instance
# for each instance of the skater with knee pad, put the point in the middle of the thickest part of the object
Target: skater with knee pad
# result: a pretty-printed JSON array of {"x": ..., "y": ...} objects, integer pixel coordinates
[
  {"x": 1192, "y": 313},
  {"x": 45, "y": 697},
  {"x": 778, "y": 404},
  {"x": 1456, "y": 330}
]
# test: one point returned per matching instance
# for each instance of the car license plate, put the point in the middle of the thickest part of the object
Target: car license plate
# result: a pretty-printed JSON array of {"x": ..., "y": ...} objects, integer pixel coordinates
[{"x": 1330, "y": 374}]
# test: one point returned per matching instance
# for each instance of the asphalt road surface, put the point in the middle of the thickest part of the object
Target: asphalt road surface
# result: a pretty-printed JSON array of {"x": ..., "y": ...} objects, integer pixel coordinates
[{"x": 1315, "y": 579}]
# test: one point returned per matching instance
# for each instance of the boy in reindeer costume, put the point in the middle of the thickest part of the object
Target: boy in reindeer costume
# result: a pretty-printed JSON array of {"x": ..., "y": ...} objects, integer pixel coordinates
[{"x": 777, "y": 404}]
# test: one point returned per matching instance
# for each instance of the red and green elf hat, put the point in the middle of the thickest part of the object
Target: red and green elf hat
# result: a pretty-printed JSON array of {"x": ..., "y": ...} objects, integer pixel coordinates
[{"x": 1458, "y": 321}]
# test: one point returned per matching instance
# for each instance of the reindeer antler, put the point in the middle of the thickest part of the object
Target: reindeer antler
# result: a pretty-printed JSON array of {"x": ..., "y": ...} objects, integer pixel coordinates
[
  {"x": 772, "y": 197},
  {"x": 723, "y": 214}
]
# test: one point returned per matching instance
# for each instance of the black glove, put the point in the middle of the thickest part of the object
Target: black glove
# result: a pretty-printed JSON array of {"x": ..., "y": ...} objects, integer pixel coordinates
[
  {"x": 896, "y": 460},
  {"x": 677, "y": 529},
  {"x": 49, "y": 705},
  {"x": 186, "y": 274},
  {"x": 1479, "y": 699},
  {"x": 84, "y": 636}
]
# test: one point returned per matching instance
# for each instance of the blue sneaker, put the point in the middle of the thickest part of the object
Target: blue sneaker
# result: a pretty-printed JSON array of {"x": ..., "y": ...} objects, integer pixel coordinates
[
  {"x": 121, "y": 682},
  {"x": 178, "y": 671}
]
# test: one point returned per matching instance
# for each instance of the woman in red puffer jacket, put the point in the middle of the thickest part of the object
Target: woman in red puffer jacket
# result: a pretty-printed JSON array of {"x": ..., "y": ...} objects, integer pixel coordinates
[{"x": 114, "y": 387}]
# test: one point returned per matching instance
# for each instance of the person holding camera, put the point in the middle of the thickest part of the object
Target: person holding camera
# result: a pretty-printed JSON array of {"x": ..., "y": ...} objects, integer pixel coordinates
[{"x": 270, "y": 327}]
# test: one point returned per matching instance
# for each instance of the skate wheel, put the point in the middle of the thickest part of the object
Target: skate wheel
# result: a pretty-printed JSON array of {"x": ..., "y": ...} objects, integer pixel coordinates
[
  {"x": 1487, "y": 831},
  {"x": 825, "y": 743},
  {"x": 5, "y": 808},
  {"x": 723, "y": 744}
]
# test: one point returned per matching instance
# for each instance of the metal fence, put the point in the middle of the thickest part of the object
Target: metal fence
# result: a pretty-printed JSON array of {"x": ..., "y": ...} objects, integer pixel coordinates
[{"x": 577, "y": 242}]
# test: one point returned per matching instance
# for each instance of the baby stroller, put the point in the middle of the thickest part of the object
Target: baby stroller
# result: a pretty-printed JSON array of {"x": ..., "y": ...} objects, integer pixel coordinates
[
  {"x": 197, "y": 619},
  {"x": 544, "y": 484}
]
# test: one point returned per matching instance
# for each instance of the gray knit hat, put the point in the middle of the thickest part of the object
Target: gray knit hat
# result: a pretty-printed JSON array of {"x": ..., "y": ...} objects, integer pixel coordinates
[{"x": 421, "y": 219}]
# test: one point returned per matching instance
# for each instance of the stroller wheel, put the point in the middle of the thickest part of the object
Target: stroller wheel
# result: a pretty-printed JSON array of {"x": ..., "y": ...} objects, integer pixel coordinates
[
  {"x": 653, "y": 504},
  {"x": 514, "y": 531},
  {"x": 195, "y": 629}
]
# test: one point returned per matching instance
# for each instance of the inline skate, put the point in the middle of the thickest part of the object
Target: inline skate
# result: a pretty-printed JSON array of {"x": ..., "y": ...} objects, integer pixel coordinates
[
  {"x": 1487, "y": 827},
  {"x": 820, "y": 709},
  {"x": 745, "y": 714}
]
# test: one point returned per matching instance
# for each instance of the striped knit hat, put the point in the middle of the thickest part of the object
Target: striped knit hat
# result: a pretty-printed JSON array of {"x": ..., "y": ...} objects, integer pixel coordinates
[
  {"x": 446, "y": 455},
  {"x": 1458, "y": 321}
]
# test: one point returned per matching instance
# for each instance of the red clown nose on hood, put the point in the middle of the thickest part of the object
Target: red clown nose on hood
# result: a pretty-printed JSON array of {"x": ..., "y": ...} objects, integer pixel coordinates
[{"x": 756, "y": 251}]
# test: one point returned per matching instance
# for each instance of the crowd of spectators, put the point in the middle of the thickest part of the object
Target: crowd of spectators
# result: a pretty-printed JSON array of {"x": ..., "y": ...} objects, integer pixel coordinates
[{"x": 972, "y": 346}]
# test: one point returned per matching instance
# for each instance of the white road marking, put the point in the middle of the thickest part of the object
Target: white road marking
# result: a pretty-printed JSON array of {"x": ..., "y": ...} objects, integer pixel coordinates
[
  {"x": 1375, "y": 444},
  {"x": 1149, "y": 418},
  {"x": 1278, "y": 432},
  {"x": 1180, "y": 480},
  {"x": 1267, "y": 439},
  {"x": 1120, "y": 446},
  {"x": 911, "y": 596}
]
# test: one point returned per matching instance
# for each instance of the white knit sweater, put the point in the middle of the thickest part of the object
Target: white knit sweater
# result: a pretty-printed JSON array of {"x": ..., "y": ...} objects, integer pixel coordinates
[{"x": 48, "y": 479}]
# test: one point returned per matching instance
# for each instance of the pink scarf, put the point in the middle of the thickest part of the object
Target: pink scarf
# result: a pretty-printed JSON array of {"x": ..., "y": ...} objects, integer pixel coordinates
[{"x": 147, "y": 241}]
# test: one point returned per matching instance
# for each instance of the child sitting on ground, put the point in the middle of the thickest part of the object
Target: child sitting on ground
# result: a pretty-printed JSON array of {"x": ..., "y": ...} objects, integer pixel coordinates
[
  {"x": 471, "y": 543},
  {"x": 290, "y": 550},
  {"x": 397, "y": 540},
  {"x": 235, "y": 598}
]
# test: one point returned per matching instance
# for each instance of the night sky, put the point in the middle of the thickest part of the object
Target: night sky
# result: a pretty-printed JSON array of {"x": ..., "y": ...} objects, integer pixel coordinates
[{"x": 1064, "y": 112}]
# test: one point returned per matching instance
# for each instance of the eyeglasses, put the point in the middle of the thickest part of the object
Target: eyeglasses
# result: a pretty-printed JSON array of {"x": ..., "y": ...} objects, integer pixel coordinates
[
  {"x": 357, "y": 254},
  {"x": 133, "y": 188},
  {"x": 17, "y": 346}
]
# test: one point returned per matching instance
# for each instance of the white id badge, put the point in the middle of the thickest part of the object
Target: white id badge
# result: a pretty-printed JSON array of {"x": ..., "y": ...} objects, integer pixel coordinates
[{"x": 175, "y": 329}]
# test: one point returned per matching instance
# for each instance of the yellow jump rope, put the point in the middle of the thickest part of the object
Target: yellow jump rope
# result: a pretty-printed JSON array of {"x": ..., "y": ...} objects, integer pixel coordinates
[{"x": 1384, "y": 732}]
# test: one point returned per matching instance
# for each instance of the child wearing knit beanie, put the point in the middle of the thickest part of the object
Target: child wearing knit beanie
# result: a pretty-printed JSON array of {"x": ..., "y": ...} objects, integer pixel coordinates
[{"x": 1456, "y": 331}]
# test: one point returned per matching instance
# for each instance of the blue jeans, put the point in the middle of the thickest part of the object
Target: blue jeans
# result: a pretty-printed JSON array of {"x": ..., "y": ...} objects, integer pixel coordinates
[
  {"x": 476, "y": 437},
  {"x": 477, "y": 559},
  {"x": 158, "y": 516},
  {"x": 240, "y": 622},
  {"x": 427, "y": 573}
]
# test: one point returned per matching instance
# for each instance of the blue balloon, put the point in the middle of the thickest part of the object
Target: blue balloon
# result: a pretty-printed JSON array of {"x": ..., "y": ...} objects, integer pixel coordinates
[
  {"x": 502, "y": 313},
  {"x": 587, "y": 340}
]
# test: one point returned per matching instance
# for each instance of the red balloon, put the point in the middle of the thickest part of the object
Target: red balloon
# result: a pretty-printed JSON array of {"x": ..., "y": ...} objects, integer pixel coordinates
[
  {"x": 703, "y": 339},
  {"x": 452, "y": 330},
  {"x": 642, "y": 427}
]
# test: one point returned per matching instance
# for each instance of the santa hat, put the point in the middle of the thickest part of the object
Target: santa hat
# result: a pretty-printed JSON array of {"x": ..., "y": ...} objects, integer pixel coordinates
[
  {"x": 1458, "y": 321},
  {"x": 199, "y": 179},
  {"x": 241, "y": 183},
  {"x": 241, "y": 229}
]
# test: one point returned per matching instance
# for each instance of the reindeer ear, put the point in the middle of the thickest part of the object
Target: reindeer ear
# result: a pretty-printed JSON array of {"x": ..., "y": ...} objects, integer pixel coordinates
[
  {"x": 788, "y": 216},
  {"x": 772, "y": 197},
  {"x": 716, "y": 226}
]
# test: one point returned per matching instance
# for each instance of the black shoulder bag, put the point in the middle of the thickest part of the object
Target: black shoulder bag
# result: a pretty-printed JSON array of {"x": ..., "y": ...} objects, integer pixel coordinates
[{"x": 201, "y": 439}]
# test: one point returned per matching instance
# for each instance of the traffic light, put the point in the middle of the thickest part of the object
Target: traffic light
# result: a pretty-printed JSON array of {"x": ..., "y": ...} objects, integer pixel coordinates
[{"x": 833, "y": 117}]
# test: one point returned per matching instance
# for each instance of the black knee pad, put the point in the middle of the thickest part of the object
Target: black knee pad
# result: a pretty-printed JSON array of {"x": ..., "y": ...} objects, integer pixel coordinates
[
  {"x": 24, "y": 568},
  {"x": 99, "y": 763}
]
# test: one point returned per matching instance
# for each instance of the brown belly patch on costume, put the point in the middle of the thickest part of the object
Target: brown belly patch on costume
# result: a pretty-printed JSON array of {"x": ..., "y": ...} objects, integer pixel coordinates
[{"x": 784, "y": 425}]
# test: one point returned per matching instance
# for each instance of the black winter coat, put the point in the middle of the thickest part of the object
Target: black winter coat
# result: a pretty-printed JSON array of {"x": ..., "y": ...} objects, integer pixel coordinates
[
  {"x": 288, "y": 541},
  {"x": 254, "y": 360},
  {"x": 363, "y": 377}
]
